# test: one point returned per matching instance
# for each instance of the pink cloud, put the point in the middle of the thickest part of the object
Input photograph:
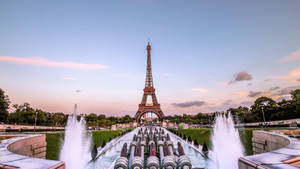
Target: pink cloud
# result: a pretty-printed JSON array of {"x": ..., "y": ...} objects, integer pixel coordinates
[
  {"x": 267, "y": 94},
  {"x": 241, "y": 93},
  {"x": 292, "y": 76},
  {"x": 224, "y": 84},
  {"x": 45, "y": 62},
  {"x": 291, "y": 57},
  {"x": 276, "y": 97}
]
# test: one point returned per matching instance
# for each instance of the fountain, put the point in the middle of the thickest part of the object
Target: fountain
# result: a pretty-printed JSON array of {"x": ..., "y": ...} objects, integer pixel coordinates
[
  {"x": 75, "y": 150},
  {"x": 151, "y": 147},
  {"x": 227, "y": 147},
  {"x": 169, "y": 158}
]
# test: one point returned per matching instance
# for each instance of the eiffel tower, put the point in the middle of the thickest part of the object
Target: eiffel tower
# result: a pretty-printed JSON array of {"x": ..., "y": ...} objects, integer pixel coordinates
[{"x": 149, "y": 91}]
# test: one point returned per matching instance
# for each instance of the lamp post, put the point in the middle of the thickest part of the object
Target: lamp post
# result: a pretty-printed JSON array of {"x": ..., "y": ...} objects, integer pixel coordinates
[
  {"x": 35, "y": 121},
  {"x": 264, "y": 103}
]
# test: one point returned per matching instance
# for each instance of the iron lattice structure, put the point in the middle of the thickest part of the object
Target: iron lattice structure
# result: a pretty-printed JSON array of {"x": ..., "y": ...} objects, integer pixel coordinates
[{"x": 149, "y": 91}]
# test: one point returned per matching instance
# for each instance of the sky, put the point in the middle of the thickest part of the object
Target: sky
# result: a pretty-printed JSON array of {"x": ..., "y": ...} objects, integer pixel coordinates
[{"x": 206, "y": 55}]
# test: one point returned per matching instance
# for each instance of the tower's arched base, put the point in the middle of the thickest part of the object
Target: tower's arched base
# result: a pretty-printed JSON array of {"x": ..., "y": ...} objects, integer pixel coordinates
[{"x": 146, "y": 109}]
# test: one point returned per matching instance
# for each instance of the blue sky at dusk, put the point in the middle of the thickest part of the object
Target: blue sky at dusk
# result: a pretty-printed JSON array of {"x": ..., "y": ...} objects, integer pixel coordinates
[{"x": 206, "y": 55}]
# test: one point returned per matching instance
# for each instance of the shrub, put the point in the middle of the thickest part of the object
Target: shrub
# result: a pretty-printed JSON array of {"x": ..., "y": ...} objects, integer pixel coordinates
[
  {"x": 103, "y": 144},
  {"x": 196, "y": 143},
  {"x": 204, "y": 147},
  {"x": 189, "y": 139}
]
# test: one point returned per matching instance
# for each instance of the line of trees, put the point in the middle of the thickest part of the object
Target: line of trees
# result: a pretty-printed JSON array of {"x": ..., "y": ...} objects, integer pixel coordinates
[
  {"x": 284, "y": 109},
  {"x": 281, "y": 110},
  {"x": 25, "y": 114}
]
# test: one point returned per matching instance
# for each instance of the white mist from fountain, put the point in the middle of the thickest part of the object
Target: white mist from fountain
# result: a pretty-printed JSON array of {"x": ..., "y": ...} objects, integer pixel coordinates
[
  {"x": 76, "y": 147},
  {"x": 226, "y": 143}
]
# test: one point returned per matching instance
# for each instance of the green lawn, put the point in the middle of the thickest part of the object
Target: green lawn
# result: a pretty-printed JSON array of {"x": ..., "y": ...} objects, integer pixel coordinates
[
  {"x": 201, "y": 135},
  {"x": 246, "y": 139},
  {"x": 204, "y": 135},
  {"x": 53, "y": 145},
  {"x": 55, "y": 140},
  {"x": 106, "y": 135}
]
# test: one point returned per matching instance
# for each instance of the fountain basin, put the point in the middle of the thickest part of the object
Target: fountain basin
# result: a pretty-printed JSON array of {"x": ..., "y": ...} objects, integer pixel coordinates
[
  {"x": 275, "y": 149},
  {"x": 110, "y": 153},
  {"x": 26, "y": 152}
]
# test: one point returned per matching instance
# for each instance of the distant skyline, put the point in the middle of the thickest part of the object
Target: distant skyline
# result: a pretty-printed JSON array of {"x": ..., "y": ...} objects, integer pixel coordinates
[{"x": 206, "y": 55}]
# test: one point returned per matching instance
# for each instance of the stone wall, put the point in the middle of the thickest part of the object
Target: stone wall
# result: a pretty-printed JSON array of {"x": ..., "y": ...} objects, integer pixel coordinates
[
  {"x": 26, "y": 152},
  {"x": 290, "y": 123},
  {"x": 272, "y": 150},
  {"x": 32, "y": 147},
  {"x": 27, "y": 128},
  {"x": 263, "y": 142},
  {"x": 4, "y": 137}
]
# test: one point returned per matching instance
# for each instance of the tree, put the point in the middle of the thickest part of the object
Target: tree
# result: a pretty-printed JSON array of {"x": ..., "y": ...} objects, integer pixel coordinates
[
  {"x": 41, "y": 117},
  {"x": 101, "y": 117},
  {"x": 91, "y": 119},
  {"x": 296, "y": 100},
  {"x": 239, "y": 113},
  {"x": 112, "y": 120},
  {"x": 4, "y": 106},
  {"x": 24, "y": 114},
  {"x": 295, "y": 95},
  {"x": 59, "y": 119},
  {"x": 126, "y": 119},
  {"x": 286, "y": 110},
  {"x": 263, "y": 105}
]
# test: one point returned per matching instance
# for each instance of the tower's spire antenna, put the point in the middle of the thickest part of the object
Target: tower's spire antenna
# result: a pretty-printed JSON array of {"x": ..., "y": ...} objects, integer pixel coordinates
[{"x": 149, "y": 79}]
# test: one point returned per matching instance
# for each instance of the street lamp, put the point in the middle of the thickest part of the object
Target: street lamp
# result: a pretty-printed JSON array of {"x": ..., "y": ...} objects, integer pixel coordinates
[
  {"x": 264, "y": 103},
  {"x": 35, "y": 121}
]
